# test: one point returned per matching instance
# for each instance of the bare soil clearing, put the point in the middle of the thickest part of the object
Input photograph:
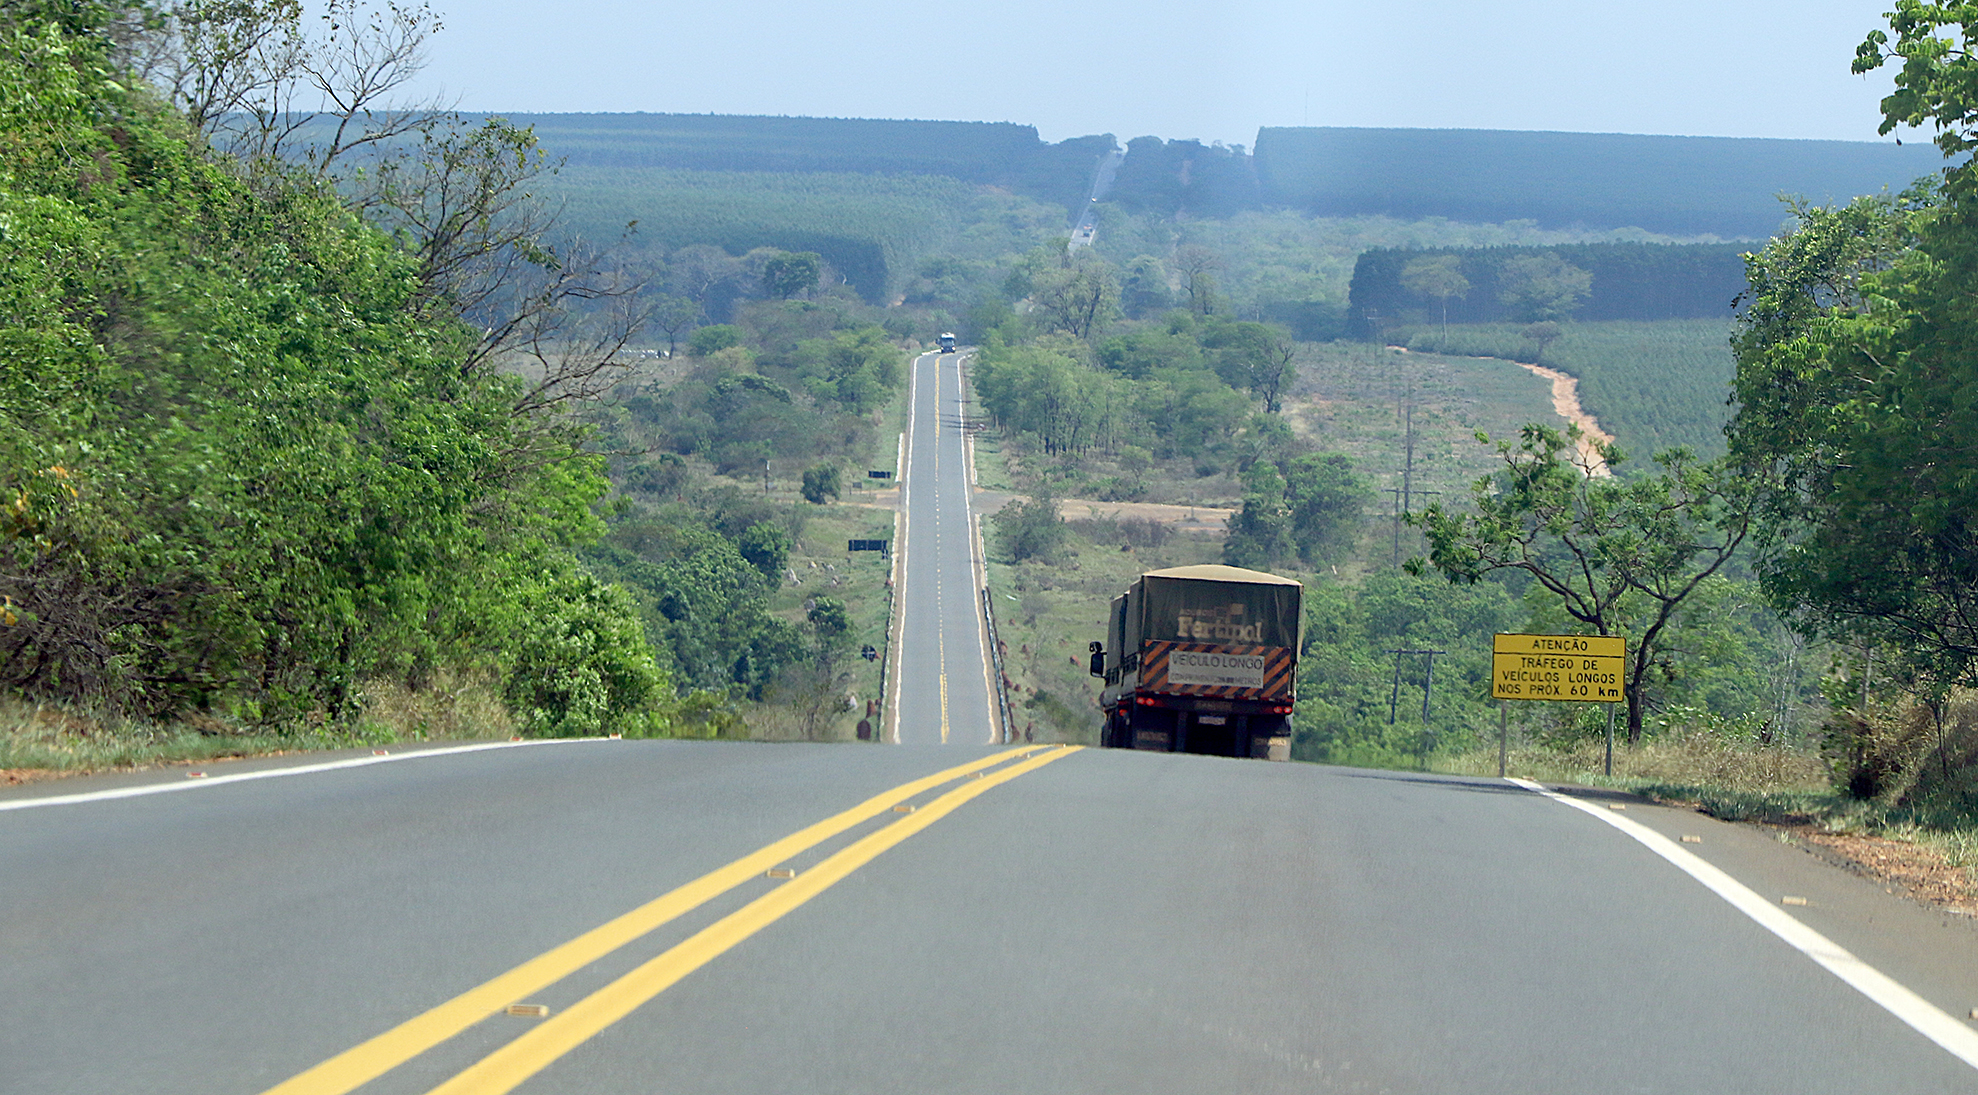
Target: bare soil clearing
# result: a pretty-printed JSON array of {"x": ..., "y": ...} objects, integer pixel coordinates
[
  {"x": 1206, "y": 520},
  {"x": 1916, "y": 870},
  {"x": 1566, "y": 403}
]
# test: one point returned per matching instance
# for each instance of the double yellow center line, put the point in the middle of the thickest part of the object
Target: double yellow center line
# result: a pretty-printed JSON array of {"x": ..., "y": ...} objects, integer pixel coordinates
[{"x": 509, "y": 1066}]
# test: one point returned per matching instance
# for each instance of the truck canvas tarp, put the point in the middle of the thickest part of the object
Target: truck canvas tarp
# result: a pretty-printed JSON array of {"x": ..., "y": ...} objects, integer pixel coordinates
[{"x": 1213, "y": 630}]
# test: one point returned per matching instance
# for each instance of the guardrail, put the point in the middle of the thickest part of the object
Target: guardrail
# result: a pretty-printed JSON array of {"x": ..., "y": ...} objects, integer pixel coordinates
[{"x": 1002, "y": 682}]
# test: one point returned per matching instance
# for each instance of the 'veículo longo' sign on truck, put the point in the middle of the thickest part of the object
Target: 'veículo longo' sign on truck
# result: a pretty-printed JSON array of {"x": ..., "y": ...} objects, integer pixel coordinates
[{"x": 1216, "y": 669}]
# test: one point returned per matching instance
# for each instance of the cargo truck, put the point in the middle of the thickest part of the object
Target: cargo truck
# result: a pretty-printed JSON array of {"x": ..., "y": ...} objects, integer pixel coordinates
[
  {"x": 947, "y": 342},
  {"x": 1201, "y": 659}
]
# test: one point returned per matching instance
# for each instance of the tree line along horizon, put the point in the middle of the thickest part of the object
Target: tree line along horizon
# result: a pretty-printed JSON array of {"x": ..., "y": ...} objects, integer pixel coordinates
[{"x": 205, "y": 516}]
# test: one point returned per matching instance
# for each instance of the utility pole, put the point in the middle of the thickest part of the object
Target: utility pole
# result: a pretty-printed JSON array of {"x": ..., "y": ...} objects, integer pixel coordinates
[
  {"x": 1428, "y": 689},
  {"x": 1428, "y": 683},
  {"x": 1408, "y": 439},
  {"x": 1405, "y": 493},
  {"x": 1400, "y": 507}
]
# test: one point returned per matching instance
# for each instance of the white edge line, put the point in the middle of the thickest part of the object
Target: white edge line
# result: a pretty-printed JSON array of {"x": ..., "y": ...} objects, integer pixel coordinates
[
  {"x": 273, "y": 773},
  {"x": 904, "y": 527},
  {"x": 979, "y": 571},
  {"x": 1922, "y": 1016}
]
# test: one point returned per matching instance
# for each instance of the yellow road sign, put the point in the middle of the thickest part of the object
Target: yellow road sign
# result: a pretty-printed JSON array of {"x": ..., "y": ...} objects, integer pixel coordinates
[{"x": 1583, "y": 668}]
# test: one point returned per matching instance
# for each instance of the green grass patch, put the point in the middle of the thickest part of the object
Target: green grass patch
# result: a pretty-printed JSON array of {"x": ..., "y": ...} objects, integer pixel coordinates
[
  {"x": 992, "y": 462},
  {"x": 1654, "y": 385},
  {"x": 1351, "y": 397}
]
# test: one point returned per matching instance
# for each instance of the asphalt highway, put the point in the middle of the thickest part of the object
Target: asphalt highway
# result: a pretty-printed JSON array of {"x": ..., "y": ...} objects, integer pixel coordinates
[
  {"x": 711, "y": 917},
  {"x": 943, "y": 687}
]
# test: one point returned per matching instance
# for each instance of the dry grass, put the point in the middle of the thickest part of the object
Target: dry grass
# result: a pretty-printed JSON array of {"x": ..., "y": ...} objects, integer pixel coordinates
[
  {"x": 1920, "y": 834},
  {"x": 1691, "y": 758},
  {"x": 44, "y": 740},
  {"x": 453, "y": 706}
]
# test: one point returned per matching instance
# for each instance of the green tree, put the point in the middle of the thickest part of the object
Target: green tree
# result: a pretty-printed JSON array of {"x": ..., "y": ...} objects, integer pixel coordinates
[
  {"x": 1253, "y": 356},
  {"x": 766, "y": 545},
  {"x": 820, "y": 483},
  {"x": 1438, "y": 277},
  {"x": 1045, "y": 390},
  {"x": 1855, "y": 363},
  {"x": 1079, "y": 298},
  {"x": 674, "y": 315},
  {"x": 1326, "y": 498},
  {"x": 254, "y": 457},
  {"x": 817, "y": 685},
  {"x": 713, "y": 339},
  {"x": 1197, "y": 266},
  {"x": 1259, "y": 535},
  {"x": 791, "y": 274},
  {"x": 1543, "y": 287},
  {"x": 1032, "y": 529},
  {"x": 1617, "y": 556},
  {"x": 859, "y": 369},
  {"x": 1144, "y": 290},
  {"x": 581, "y": 662},
  {"x": 1541, "y": 335},
  {"x": 1937, "y": 85}
]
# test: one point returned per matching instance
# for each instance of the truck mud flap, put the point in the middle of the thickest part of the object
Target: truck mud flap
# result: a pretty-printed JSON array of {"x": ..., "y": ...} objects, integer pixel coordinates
[
  {"x": 1157, "y": 740},
  {"x": 1266, "y": 748}
]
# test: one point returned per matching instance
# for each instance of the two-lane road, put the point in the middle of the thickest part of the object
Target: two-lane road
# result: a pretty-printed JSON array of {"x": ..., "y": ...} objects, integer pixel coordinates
[
  {"x": 706, "y": 917},
  {"x": 943, "y": 685}
]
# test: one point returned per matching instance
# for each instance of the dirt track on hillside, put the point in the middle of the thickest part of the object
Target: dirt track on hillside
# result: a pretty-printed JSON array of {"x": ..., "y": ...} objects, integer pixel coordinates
[{"x": 1566, "y": 404}]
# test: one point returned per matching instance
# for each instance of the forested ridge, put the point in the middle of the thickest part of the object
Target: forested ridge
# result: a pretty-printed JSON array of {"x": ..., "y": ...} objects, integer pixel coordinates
[
  {"x": 874, "y": 231},
  {"x": 1629, "y": 281},
  {"x": 1696, "y": 186},
  {"x": 1000, "y": 154}
]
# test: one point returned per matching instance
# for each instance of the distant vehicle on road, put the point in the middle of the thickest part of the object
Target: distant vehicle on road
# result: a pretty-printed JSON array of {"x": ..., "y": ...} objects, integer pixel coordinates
[
  {"x": 1201, "y": 659},
  {"x": 947, "y": 342}
]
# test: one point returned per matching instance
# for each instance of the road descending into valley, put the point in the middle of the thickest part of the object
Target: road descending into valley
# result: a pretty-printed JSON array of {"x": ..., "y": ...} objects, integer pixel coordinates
[
  {"x": 942, "y": 687},
  {"x": 723, "y": 917},
  {"x": 607, "y": 917}
]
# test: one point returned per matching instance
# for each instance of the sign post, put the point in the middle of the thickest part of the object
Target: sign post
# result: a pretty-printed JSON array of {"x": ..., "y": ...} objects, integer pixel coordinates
[
  {"x": 1574, "y": 668},
  {"x": 1503, "y": 736}
]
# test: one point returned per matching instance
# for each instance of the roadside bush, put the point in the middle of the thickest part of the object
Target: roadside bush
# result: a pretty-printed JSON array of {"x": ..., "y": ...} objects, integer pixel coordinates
[
  {"x": 581, "y": 663},
  {"x": 713, "y": 339},
  {"x": 820, "y": 483},
  {"x": 1032, "y": 529}
]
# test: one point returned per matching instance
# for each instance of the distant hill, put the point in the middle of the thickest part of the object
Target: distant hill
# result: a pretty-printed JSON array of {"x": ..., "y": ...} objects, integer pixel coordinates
[
  {"x": 873, "y": 230},
  {"x": 1719, "y": 186},
  {"x": 1169, "y": 177},
  {"x": 993, "y": 153}
]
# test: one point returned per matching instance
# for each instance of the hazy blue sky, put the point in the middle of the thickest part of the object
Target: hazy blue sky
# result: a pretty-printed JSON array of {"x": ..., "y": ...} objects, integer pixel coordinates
[{"x": 1741, "y": 68}]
